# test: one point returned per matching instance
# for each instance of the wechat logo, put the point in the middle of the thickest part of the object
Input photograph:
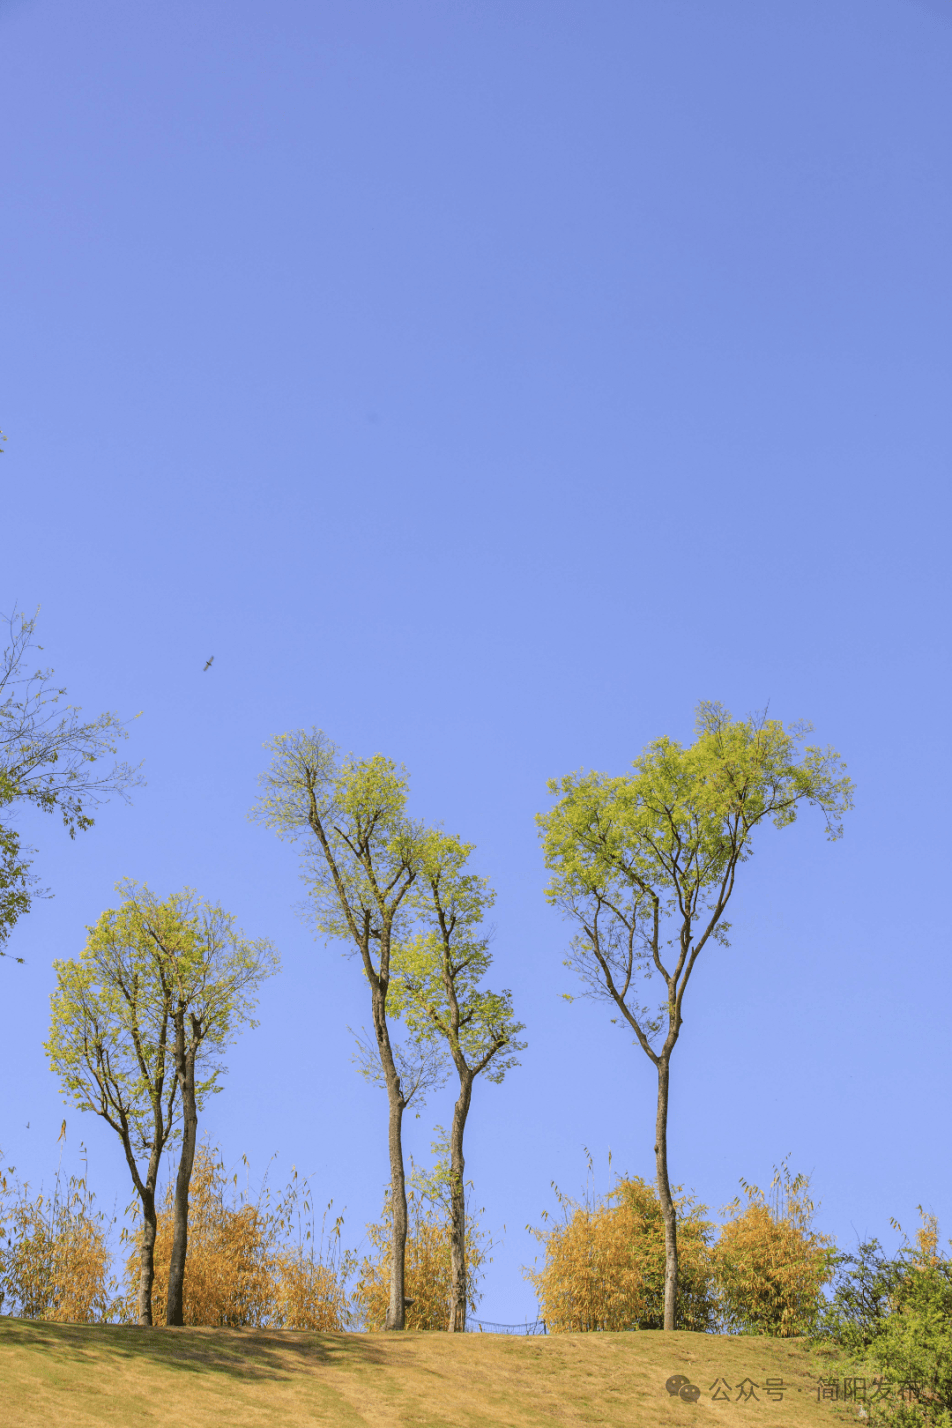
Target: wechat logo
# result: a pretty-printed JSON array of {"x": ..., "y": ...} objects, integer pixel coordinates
[{"x": 680, "y": 1387}]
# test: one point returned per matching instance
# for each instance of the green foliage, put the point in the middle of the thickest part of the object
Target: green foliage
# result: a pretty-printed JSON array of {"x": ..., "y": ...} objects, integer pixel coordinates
[
  {"x": 109, "y": 1032},
  {"x": 361, "y": 861},
  {"x": 207, "y": 966},
  {"x": 46, "y": 761},
  {"x": 112, "y": 1013},
  {"x": 437, "y": 971},
  {"x": 866, "y": 1286},
  {"x": 915, "y": 1346},
  {"x": 362, "y": 858},
  {"x": 362, "y": 848},
  {"x": 648, "y": 859},
  {"x": 16, "y": 883},
  {"x": 890, "y": 1323},
  {"x": 389, "y": 886},
  {"x": 645, "y": 864},
  {"x": 110, "y": 1028}
]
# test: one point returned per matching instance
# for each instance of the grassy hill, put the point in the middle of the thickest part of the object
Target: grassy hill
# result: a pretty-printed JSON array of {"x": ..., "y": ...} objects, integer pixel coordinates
[{"x": 70, "y": 1375}]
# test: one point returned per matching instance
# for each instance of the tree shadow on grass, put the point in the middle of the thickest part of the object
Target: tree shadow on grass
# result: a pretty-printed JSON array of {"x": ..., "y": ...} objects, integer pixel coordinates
[{"x": 249, "y": 1355}]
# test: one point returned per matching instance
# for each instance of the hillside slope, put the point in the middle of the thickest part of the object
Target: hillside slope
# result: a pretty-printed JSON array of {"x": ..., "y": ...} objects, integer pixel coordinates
[{"x": 70, "y": 1375}]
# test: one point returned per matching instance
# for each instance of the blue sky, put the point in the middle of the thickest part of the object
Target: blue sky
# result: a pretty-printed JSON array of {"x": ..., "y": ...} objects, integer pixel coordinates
[{"x": 487, "y": 384}]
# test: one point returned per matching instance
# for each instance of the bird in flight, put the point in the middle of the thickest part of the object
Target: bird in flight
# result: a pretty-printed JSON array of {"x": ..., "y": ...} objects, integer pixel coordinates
[{"x": 208, "y": 663}]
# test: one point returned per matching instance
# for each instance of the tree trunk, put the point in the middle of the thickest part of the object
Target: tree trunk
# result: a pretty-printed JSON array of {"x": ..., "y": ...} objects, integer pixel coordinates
[
  {"x": 397, "y": 1309},
  {"x": 146, "y": 1192},
  {"x": 147, "y": 1260},
  {"x": 458, "y": 1284},
  {"x": 664, "y": 1195},
  {"x": 174, "y": 1314}
]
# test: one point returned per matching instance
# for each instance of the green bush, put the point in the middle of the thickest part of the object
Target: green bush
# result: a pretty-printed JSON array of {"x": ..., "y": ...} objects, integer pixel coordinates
[{"x": 892, "y": 1320}]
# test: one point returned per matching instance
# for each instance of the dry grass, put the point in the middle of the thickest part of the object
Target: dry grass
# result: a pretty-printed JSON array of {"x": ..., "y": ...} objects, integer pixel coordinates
[{"x": 73, "y": 1376}]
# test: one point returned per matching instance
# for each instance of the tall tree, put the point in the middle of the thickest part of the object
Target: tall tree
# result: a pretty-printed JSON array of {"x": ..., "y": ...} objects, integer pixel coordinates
[
  {"x": 212, "y": 974},
  {"x": 362, "y": 859},
  {"x": 438, "y": 994},
  {"x": 645, "y": 865},
  {"x": 110, "y": 1045},
  {"x": 47, "y": 759}
]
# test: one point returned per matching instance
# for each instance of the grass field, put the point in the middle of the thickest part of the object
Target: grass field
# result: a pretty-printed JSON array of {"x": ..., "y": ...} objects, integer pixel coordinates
[{"x": 70, "y": 1375}]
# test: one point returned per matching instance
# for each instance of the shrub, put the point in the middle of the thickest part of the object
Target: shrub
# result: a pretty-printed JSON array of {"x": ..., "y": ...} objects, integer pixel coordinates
[
  {"x": 54, "y": 1254},
  {"x": 770, "y": 1266},
  {"x": 250, "y": 1263},
  {"x": 604, "y": 1265},
  {"x": 866, "y": 1287},
  {"x": 427, "y": 1273},
  {"x": 893, "y": 1321}
]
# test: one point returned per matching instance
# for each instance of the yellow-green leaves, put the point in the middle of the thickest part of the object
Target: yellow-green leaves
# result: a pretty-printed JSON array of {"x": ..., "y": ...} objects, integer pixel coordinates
[
  {"x": 437, "y": 971},
  {"x": 112, "y": 1009},
  {"x": 300, "y": 782},
  {"x": 362, "y": 850},
  {"x": 672, "y": 832},
  {"x": 212, "y": 970},
  {"x": 645, "y": 862},
  {"x": 109, "y": 1028},
  {"x": 399, "y": 892}
]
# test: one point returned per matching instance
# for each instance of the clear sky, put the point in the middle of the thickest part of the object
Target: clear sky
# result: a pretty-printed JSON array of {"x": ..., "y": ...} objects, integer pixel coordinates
[{"x": 486, "y": 383}]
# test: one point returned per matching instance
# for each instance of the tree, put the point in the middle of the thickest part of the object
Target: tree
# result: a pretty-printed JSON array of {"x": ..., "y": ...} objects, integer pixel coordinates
[
  {"x": 868, "y": 1285},
  {"x": 141, "y": 1020},
  {"x": 362, "y": 860},
  {"x": 645, "y": 864},
  {"x": 212, "y": 973},
  {"x": 438, "y": 994},
  {"x": 46, "y": 760},
  {"x": 110, "y": 1045}
]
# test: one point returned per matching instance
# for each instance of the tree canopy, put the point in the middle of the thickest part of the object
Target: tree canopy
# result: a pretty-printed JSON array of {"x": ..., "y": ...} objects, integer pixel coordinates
[
  {"x": 47, "y": 758},
  {"x": 648, "y": 860},
  {"x": 439, "y": 969}
]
